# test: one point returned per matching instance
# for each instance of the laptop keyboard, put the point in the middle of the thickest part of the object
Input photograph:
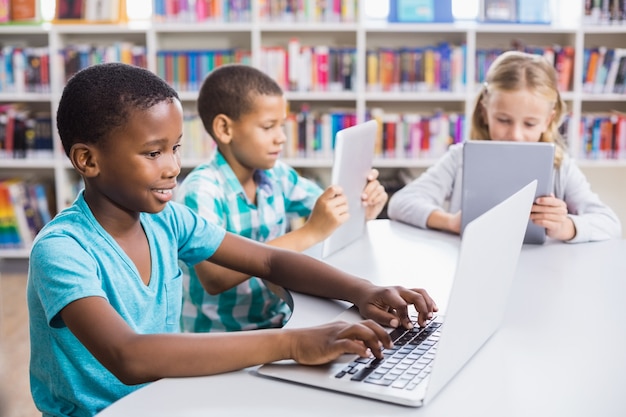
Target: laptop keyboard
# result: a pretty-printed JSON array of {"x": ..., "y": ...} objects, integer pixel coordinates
[{"x": 405, "y": 365}]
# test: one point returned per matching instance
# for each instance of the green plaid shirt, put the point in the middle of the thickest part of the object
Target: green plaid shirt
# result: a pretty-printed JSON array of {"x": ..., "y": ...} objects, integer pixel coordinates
[{"x": 213, "y": 191}]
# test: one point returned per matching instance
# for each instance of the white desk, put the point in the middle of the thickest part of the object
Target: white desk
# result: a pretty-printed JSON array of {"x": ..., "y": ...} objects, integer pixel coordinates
[{"x": 560, "y": 352}]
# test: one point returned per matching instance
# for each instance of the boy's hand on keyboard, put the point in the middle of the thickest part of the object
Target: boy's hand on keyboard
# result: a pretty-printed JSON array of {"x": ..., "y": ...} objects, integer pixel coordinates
[
  {"x": 389, "y": 306},
  {"x": 323, "y": 344}
]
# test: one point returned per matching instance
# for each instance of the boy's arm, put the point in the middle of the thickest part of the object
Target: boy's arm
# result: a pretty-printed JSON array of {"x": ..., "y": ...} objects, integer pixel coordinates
[
  {"x": 298, "y": 272},
  {"x": 330, "y": 211},
  {"x": 138, "y": 358}
]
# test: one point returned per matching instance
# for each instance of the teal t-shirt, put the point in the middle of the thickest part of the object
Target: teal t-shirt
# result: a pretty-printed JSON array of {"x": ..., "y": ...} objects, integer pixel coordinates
[{"x": 74, "y": 257}]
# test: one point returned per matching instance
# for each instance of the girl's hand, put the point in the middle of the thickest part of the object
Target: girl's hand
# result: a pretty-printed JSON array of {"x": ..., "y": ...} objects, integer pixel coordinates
[{"x": 551, "y": 213}]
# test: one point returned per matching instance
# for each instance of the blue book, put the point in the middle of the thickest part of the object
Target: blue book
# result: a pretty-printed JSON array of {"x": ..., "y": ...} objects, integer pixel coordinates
[
  {"x": 420, "y": 11},
  {"x": 533, "y": 11}
]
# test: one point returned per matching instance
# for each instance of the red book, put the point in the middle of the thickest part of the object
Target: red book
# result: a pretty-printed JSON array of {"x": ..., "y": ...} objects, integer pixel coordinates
[
  {"x": 425, "y": 145},
  {"x": 389, "y": 139},
  {"x": 321, "y": 52},
  {"x": 565, "y": 67}
]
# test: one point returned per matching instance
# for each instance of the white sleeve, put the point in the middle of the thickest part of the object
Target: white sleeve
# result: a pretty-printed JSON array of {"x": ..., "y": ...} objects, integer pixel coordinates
[
  {"x": 414, "y": 203},
  {"x": 593, "y": 219}
]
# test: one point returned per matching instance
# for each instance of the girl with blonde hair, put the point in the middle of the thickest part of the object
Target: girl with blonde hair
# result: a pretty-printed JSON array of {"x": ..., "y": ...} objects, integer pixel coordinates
[{"x": 519, "y": 101}]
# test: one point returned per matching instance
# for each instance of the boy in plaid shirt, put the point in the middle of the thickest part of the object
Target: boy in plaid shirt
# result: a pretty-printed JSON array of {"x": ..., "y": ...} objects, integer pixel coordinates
[{"x": 246, "y": 189}]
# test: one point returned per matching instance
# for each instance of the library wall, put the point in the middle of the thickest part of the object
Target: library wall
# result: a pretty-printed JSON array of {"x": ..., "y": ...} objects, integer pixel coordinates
[{"x": 360, "y": 73}]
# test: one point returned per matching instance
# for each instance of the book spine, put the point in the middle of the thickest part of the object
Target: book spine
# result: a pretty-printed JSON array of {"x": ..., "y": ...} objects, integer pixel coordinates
[
  {"x": 322, "y": 55},
  {"x": 9, "y": 229}
]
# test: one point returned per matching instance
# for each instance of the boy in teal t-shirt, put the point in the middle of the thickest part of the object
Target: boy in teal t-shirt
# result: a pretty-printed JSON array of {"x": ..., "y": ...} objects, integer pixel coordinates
[
  {"x": 104, "y": 283},
  {"x": 246, "y": 189}
]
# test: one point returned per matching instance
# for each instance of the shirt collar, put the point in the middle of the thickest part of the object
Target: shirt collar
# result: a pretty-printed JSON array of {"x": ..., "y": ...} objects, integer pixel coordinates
[{"x": 261, "y": 177}]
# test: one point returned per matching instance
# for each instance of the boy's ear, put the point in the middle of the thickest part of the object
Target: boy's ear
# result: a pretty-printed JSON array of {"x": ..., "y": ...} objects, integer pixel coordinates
[
  {"x": 223, "y": 128},
  {"x": 84, "y": 160}
]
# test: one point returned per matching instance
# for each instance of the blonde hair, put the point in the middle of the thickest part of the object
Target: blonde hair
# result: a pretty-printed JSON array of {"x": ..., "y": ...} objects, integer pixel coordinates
[{"x": 514, "y": 71}]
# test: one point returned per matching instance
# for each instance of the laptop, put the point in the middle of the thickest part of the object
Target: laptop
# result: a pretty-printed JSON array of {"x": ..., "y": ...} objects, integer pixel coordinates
[
  {"x": 493, "y": 170},
  {"x": 353, "y": 158},
  {"x": 486, "y": 266}
]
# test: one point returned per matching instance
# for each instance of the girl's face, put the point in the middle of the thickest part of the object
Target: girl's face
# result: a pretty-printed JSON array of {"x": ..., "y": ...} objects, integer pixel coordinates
[{"x": 519, "y": 116}]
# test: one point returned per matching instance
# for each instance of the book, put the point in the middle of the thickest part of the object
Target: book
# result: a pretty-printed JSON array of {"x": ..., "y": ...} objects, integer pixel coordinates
[
  {"x": 4, "y": 11},
  {"x": 40, "y": 201},
  {"x": 23, "y": 211},
  {"x": 620, "y": 79},
  {"x": 565, "y": 67},
  {"x": 9, "y": 229},
  {"x": 102, "y": 11},
  {"x": 612, "y": 75},
  {"x": 603, "y": 70},
  {"x": 504, "y": 11},
  {"x": 69, "y": 10},
  {"x": 533, "y": 11},
  {"x": 420, "y": 11},
  {"x": 595, "y": 55},
  {"x": 24, "y": 10}
]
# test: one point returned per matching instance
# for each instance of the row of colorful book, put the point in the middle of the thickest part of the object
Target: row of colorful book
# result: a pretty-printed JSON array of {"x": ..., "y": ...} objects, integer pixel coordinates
[
  {"x": 432, "y": 68},
  {"x": 603, "y": 136},
  {"x": 269, "y": 10},
  {"x": 196, "y": 143},
  {"x": 309, "y": 11},
  {"x": 24, "y": 69},
  {"x": 24, "y": 134},
  {"x": 24, "y": 210},
  {"x": 604, "y": 12},
  {"x": 416, "y": 135},
  {"x": 604, "y": 70},
  {"x": 185, "y": 70},
  {"x": 201, "y": 11},
  {"x": 310, "y": 68},
  {"x": 561, "y": 57},
  {"x": 78, "y": 56},
  {"x": 311, "y": 134},
  {"x": 315, "y": 68}
]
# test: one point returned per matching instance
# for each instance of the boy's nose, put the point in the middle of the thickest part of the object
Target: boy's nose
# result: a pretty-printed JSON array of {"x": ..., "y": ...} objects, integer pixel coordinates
[
  {"x": 172, "y": 168},
  {"x": 281, "y": 137}
]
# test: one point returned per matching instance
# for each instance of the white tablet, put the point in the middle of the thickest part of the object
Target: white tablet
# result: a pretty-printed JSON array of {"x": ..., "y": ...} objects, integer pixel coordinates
[
  {"x": 353, "y": 158},
  {"x": 494, "y": 170}
]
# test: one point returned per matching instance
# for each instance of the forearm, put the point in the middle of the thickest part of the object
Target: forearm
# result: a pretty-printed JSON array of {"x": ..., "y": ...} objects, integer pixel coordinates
[
  {"x": 315, "y": 277},
  {"x": 148, "y": 358},
  {"x": 216, "y": 279},
  {"x": 288, "y": 268},
  {"x": 440, "y": 220},
  {"x": 300, "y": 239}
]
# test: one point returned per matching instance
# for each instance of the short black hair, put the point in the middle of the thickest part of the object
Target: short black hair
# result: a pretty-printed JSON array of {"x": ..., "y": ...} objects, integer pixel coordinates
[
  {"x": 230, "y": 90},
  {"x": 99, "y": 98}
]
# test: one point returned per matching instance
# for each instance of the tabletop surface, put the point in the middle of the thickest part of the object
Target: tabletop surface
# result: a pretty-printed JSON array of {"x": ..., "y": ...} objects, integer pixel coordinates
[{"x": 561, "y": 350}]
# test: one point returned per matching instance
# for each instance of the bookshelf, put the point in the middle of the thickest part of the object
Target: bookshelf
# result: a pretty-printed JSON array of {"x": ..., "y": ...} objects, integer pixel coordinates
[{"x": 254, "y": 33}]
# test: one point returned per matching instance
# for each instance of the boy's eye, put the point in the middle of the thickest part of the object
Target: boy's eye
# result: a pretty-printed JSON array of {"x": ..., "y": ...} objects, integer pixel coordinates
[
  {"x": 154, "y": 154},
  {"x": 177, "y": 148}
]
